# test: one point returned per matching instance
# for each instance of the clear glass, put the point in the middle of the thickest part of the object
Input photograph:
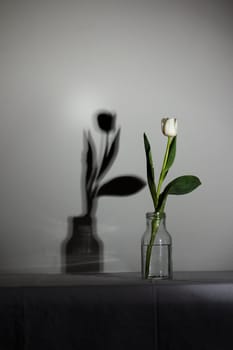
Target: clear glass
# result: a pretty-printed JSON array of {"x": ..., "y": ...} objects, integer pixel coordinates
[{"x": 156, "y": 253}]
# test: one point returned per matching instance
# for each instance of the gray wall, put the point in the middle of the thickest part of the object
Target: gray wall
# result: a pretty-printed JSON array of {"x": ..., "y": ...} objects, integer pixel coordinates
[{"x": 61, "y": 61}]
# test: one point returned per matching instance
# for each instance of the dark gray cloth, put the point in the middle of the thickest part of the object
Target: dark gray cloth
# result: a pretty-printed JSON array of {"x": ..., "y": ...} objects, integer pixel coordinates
[
  {"x": 195, "y": 316},
  {"x": 116, "y": 313}
]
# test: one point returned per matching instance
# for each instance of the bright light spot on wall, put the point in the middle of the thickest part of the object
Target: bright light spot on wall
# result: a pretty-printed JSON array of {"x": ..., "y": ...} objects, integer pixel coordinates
[{"x": 80, "y": 107}]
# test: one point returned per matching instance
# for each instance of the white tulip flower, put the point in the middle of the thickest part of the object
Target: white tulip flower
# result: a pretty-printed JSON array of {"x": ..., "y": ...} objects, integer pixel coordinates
[{"x": 169, "y": 126}]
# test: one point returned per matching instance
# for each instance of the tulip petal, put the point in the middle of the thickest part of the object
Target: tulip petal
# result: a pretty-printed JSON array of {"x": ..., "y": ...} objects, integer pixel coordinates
[{"x": 169, "y": 126}]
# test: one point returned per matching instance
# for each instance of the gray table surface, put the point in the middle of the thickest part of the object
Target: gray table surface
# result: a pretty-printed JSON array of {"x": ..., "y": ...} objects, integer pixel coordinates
[{"x": 22, "y": 280}]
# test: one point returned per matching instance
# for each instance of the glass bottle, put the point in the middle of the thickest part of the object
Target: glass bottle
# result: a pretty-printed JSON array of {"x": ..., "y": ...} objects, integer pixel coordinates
[{"x": 156, "y": 248}]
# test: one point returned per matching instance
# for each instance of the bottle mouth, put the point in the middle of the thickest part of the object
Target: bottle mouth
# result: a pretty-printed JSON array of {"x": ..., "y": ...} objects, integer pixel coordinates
[{"x": 155, "y": 215}]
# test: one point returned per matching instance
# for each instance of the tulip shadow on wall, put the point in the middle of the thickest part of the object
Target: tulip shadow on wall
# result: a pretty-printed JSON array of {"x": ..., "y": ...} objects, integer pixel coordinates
[{"x": 83, "y": 250}]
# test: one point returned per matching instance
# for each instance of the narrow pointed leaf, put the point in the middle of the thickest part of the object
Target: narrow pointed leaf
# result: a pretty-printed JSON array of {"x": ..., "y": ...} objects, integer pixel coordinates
[
  {"x": 170, "y": 159},
  {"x": 171, "y": 155},
  {"x": 150, "y": 170},
  {"x": 110, "y": 156},
  {"x": 121, "y": 186}
]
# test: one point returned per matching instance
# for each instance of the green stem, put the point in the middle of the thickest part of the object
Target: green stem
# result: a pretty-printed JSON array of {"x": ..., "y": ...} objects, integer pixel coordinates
[
  {"x": 154, "y": 229},
  {"x": 161, "y": 177}
]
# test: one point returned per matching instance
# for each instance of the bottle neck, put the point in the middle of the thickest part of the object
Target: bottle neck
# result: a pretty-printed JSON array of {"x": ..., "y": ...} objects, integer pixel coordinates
[{"x": 157, "y": 217}]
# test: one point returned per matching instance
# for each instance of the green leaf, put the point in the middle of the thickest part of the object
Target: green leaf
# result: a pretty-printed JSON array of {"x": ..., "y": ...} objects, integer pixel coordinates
[
  {"x": 179, "y": 186},
  {"x": 170, "y": 159},
  {"x": 121, "y": 186},
  {"x": 150, "y": 170},
  {"x": 183, "y": 184},
  {"x": 171, "y": 155}
]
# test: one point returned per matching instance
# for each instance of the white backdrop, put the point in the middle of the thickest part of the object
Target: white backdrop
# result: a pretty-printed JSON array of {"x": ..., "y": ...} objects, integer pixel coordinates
[{"x": 60, "y": 62}]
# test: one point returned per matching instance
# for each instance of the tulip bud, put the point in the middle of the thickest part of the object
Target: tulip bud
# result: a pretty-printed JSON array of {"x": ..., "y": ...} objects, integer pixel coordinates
[{"x": 169, "y": 126}]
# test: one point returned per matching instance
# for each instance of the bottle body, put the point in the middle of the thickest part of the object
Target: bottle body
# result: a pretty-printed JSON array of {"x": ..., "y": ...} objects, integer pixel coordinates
[{"x": 156, "y": 248}]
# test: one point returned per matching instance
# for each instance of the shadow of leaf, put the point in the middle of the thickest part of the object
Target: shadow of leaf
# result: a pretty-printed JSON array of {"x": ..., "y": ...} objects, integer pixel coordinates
[
  {"x": 110, "y": 156},
  {"x": 121, "y": 186},
  {"x": 90, "y": 160}
]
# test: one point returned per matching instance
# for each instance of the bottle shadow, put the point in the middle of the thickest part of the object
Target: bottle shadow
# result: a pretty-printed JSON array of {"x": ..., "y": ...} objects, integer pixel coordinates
[{"x": 82, "y": 251}]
